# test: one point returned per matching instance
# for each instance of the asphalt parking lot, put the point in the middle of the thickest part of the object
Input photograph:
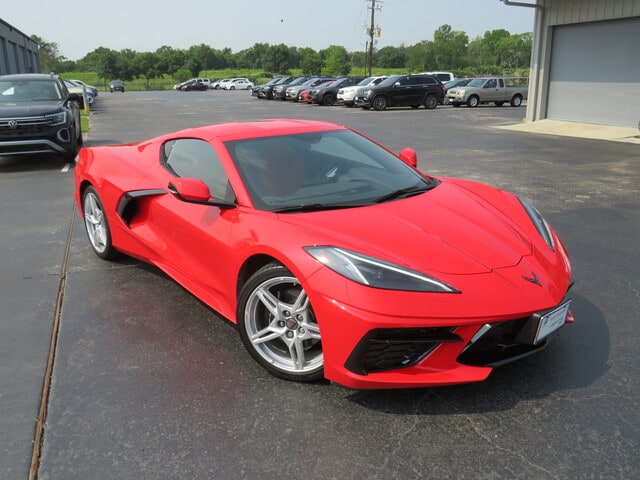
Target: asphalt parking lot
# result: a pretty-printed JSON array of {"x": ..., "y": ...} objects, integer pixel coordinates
[{"x": 148, "y": 383}]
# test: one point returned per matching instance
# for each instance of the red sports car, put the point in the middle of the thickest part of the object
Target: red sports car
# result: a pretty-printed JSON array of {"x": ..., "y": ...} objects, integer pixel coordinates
[{"x": 334, "y": 256}]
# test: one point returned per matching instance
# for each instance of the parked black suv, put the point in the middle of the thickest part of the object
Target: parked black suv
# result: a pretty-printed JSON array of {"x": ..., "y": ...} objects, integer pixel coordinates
[
  {"x": 38, "y": 115},
  {"x": 402, "y": 91}
]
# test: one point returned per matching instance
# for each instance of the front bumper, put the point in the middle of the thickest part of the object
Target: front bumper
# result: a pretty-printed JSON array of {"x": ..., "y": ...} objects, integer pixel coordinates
[
  {"x": 407, "y": 340},
  {"x": 35, "y": 139}
]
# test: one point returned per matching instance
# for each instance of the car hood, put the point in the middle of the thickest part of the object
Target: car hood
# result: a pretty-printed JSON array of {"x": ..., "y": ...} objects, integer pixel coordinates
[
  {"x": 448, "y": 229},
  {"x": 31, "y": 109}
]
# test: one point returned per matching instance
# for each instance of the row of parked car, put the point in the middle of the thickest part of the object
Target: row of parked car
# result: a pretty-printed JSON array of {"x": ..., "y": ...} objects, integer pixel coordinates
[
  {"x": 240, "y": 83},
  {"x": 376, "y": 92},
  {"x": 428, "y": 89}
]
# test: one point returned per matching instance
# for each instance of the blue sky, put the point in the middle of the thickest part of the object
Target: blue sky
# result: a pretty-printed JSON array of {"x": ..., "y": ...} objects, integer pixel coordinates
[{"x": 80, "y": 27}]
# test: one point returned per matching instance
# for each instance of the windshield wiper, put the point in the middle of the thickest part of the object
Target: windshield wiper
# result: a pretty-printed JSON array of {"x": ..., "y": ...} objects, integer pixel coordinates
[
  {"x": 312, "y": 207},
  {"x": 403, "y": 193}
]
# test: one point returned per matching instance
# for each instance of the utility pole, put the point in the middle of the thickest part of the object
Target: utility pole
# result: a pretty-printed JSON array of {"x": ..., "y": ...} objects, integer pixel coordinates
[{"x": 373, "y": 31}]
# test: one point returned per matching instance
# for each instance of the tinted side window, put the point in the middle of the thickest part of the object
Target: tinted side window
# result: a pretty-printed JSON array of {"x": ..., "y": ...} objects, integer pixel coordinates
[
  {"x": 193, "y": 158},
  {"x": 403, "y": 81},
  {"x": 491, "y": 83}
]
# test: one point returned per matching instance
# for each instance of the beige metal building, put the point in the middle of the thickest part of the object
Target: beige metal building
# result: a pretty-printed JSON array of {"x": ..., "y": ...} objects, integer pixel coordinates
[{"x": 585, "y": 64}]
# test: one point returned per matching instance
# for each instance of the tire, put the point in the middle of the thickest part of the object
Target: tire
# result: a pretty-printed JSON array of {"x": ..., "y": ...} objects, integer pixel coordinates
[
  {"x": 379, "y": 103},
  {"x": 232, "y": 87},
  {"x": 430, "y": 101},
  {"x": 456, "y": 104},
  {"x": 414, "y": 106},
  {"x": 97, "y": 225},
  {"x": 329, "y": 99},
  {"x": 473, "y": 101},
  {"x": 516, "y": 101},
  {"x": 499, "y": 104},
  {"x": 277, "y": 325}
]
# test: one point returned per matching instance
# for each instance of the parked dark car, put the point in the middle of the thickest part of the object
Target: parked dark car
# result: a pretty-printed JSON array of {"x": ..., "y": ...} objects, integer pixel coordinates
[
  {"x": 280, "y": 90},
  {"x": 328, "y": 95},
  {"x": 38, "y": 115},
  {"x": 293, "y": 92},
  {"x": 308, "y": 95},
  {"x": 192, "y": 85},
  {"x": 402, "y": 91},
  {"x": 266, "y": 90},
  {"x": 116, "y": 86}
]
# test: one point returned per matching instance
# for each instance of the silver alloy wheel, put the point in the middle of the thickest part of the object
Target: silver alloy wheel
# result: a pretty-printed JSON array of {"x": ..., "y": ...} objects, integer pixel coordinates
[
  {"x": 282, "y": 328},
  {"x": 95, "y": 222}
]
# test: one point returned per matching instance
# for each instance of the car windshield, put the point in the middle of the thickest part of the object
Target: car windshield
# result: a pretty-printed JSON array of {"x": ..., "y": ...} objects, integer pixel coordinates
[
  {"x": 322, "y": 171},
  {"x": 12, "y": 91},
  {"x": 477, "y": 82},
  {"x": 365, "y": 81},
  {"x": 387, "y": 82}
]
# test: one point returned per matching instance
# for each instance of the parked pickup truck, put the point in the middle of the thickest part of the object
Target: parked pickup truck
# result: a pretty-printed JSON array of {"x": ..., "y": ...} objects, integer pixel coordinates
[{"x": 496, "y": 90}]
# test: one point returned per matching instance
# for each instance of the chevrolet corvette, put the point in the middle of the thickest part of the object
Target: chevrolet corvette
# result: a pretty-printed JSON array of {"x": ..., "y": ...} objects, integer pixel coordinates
[{"x": 334, "y": 257}]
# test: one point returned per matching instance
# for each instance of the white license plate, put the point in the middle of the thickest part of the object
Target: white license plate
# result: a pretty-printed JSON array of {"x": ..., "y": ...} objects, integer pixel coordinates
[{"x": 551, "y": 321}]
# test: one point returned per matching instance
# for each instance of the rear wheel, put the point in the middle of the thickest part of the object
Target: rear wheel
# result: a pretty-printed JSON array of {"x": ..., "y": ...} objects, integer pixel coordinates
[
  {"x": 499, "y": 104},
  {"x": 430, "y": 101},
  {"x": 97, "y": 225},
  {"x": 278, "y": 327}
]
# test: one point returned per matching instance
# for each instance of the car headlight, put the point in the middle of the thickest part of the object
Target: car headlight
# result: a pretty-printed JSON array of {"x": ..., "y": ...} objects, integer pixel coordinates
[
  {"x": 374, "y": 272},
  {"x": 58, "y": 118},
  {"x": 540, "y": 223},
  {"x": 461, "y": 92}
]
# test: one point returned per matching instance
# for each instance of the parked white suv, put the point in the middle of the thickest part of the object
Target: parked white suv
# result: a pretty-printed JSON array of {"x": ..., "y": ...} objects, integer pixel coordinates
[
  {"x": 442, "y": 76},
  {"x": 346, "y": 95}
]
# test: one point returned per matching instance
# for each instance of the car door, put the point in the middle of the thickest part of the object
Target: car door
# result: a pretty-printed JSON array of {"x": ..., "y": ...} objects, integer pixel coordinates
[
  {"x": 193, "y": 238},
  {"x": 490, "y": 91},
  {"x": 400, "y": 93}
]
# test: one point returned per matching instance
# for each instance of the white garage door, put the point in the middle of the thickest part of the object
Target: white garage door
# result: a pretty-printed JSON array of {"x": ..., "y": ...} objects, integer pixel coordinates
[{"x": 595, "y": 73}]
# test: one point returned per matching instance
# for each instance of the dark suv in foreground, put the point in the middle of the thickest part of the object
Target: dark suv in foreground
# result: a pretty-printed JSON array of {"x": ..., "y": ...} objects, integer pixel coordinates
[
  {"x": 38, "y": 115},
  {"x": 402, "y": 91}
]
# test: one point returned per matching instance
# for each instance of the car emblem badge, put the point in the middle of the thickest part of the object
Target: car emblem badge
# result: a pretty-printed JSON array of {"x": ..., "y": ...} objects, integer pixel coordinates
[
  {"x": 12, "y": 124},
  {"x": 533, "y": 279}
]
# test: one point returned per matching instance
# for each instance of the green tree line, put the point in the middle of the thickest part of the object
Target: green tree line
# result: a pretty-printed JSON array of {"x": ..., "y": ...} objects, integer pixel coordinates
[{"x": 497, "y": 51}]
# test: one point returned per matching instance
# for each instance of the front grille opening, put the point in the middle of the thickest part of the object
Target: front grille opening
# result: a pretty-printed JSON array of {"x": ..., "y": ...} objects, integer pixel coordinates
[
  {"x": 393, "y": 348},
  {"x": 499, "y": 345}
]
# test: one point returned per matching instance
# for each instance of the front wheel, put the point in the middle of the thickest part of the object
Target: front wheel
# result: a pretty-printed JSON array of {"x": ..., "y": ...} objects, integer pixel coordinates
[
  {"x": 379, "y": 103},
  {"x": 329, "y": 99},
  {"x": 97, "y": 225},
  {"x": 473, "y": 101},
  {"x": 278, "y": 327},
  {"x": 516, "y": 101}
]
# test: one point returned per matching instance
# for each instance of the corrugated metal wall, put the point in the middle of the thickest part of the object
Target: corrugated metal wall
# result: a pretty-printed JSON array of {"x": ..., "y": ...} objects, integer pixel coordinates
[
  {"x": 576, "y": 43},
  {"x": 560, "y": 12},
  {"x": 18, "y": 53}
]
